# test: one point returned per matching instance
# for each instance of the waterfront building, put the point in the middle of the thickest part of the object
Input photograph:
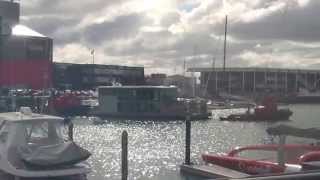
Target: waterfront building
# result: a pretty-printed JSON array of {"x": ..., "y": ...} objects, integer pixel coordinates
[
  {"x": 186, "y": 85},
  {"x": 25, "y": 55},
  {"x": 257, "y": 80},
  {"x": 90, "y": 76}
]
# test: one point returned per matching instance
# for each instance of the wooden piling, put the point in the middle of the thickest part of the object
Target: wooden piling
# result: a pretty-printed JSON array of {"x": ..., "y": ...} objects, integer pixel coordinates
[
  {"x": 70, "y": 130},
  {"x": 281, "y": 150},
  {"x": 188, "y": 136},
  {"x": 124, "y": 155},
  {"x": 188, "y": 141}
]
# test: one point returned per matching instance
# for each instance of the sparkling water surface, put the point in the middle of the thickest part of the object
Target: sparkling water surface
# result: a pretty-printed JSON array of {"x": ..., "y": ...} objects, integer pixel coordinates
[{"x": 156, "y": 148}]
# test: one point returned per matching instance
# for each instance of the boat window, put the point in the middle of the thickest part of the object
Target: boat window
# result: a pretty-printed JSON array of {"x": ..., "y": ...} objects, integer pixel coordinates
[
  {"x": 3, "y": 132},
  {"x": 4, "y": 136},
  {"x": 38, "y": 130},
  {"x": 43, "y": 133}
]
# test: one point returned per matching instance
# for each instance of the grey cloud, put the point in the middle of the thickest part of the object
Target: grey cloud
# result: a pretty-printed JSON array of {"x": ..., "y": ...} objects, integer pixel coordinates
[
  {"x": 122, "y": 27},
  {"x": 298, "y": 24},
  {"x": 170, "y": 18},
  {"x": 49, "y": 25},
  {"x": 62, "y": 30},
  {"x": 199, "y": 49},
  {"x": 63, "y": 7}
]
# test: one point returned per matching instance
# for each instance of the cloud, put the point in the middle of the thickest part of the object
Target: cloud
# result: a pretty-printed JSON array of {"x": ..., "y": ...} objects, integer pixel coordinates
[
  {"x": 285, "y": 22},
  {"x": 121, "y": 27},
  {"x": 63, "y": 8},
  {"x": 161, "y": 34},
  {"x": 73, "y": 53}
]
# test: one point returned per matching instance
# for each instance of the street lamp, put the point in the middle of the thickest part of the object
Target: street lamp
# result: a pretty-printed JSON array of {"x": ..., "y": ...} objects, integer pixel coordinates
[{"x": 92, "y": 54}]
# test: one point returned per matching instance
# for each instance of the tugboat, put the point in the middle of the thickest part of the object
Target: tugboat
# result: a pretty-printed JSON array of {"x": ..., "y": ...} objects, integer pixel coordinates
[
  {"x": 268, "y": 111},
  {"x": 32, "y": 146},
  {"x": 69, "y": 104}
]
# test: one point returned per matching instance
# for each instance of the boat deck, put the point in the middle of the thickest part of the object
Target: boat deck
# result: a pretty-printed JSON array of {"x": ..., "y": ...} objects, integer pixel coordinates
[{"x": 150, "y": 116}]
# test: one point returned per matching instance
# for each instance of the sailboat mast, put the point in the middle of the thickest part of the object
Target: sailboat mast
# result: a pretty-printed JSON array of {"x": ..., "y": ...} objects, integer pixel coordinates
[
  {"x": 184, "y": 67},
  {"x": 225, "y": 44}
]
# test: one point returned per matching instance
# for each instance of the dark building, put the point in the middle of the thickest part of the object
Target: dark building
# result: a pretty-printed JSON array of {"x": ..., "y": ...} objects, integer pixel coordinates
[
  {"x": 89, "y": 76},
  {"x": 60, "y": 77},
  {"x": 156, "y": 79},
  {"x": 25, "y": 55},
  {"x": 257, "y": 80}
]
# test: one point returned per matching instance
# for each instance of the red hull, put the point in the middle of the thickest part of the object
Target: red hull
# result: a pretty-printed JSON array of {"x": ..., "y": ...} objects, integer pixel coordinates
[
  {"x": 244, "y": 165},
  {"x": 69, "y": 105},
  {"x": 299, "y": 154}
]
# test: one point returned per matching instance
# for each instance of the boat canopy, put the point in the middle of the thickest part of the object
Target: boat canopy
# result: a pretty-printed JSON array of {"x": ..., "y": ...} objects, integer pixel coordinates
[
  {"x": 286, "y": 130},
  {"x": 23, "y": 117},
  {"x": 38, "y": 141},
  {"x": 55, "y": 155}
]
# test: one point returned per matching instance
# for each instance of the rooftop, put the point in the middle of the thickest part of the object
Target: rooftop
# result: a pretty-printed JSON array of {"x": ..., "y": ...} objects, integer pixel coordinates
[
  {"x": 99, "y": 66},
  {"x": 253, "y": 69},
  {"x": 137, "y": 87},
  {"x": 21, "y": 30}
]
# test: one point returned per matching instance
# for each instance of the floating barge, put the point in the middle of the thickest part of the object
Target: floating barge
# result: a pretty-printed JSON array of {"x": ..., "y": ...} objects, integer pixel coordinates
[{"x": 147, "y": 103}]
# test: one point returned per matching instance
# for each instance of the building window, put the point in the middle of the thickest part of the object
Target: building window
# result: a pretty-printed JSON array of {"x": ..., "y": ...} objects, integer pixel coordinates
[{"x": 36, "y": 49}]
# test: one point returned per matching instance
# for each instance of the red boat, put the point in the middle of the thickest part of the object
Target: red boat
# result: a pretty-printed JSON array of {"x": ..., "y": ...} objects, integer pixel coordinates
[
  {"x": 267, "y": 111},
  {"x": 296, "y": 155},
  {"x": 69, "y": 104},
  {"x": 265, "y": 166}
]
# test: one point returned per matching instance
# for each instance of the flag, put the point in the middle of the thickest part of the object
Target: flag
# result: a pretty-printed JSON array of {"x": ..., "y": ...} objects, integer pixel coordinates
[{"x": 92, "y": 51}]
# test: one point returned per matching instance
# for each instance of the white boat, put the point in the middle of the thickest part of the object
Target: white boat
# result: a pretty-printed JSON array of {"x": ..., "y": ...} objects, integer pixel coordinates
[
  {"x": 33, "y": 146},
  {"x": 96, "y": 120},
  {"x": 305, "y": 96}
]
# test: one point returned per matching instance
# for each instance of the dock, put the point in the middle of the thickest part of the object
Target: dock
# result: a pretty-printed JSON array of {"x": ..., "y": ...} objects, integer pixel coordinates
[
  {"x": 208, "y": 171},
  {"x": 212, "y": 171}
]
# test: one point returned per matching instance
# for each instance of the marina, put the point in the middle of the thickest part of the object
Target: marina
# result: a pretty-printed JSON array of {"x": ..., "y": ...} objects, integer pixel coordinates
[{"x": 114, "y": 91}]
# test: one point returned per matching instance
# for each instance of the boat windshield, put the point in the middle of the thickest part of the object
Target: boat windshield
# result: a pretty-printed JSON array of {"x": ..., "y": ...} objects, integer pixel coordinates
[{"x": 43, "y": 133}]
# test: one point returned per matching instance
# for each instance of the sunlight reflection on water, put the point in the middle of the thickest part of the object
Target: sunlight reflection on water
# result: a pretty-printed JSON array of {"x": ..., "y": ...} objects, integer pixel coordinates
[{"x": 157, "y": 148}]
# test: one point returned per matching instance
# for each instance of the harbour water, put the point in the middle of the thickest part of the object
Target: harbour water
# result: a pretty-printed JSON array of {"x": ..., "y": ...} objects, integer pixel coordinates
[{"x": 156, "y": 149}]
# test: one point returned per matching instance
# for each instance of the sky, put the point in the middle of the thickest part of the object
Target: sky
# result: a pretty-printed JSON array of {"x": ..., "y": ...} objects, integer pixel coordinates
[{"x": 161, "y": 34}]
